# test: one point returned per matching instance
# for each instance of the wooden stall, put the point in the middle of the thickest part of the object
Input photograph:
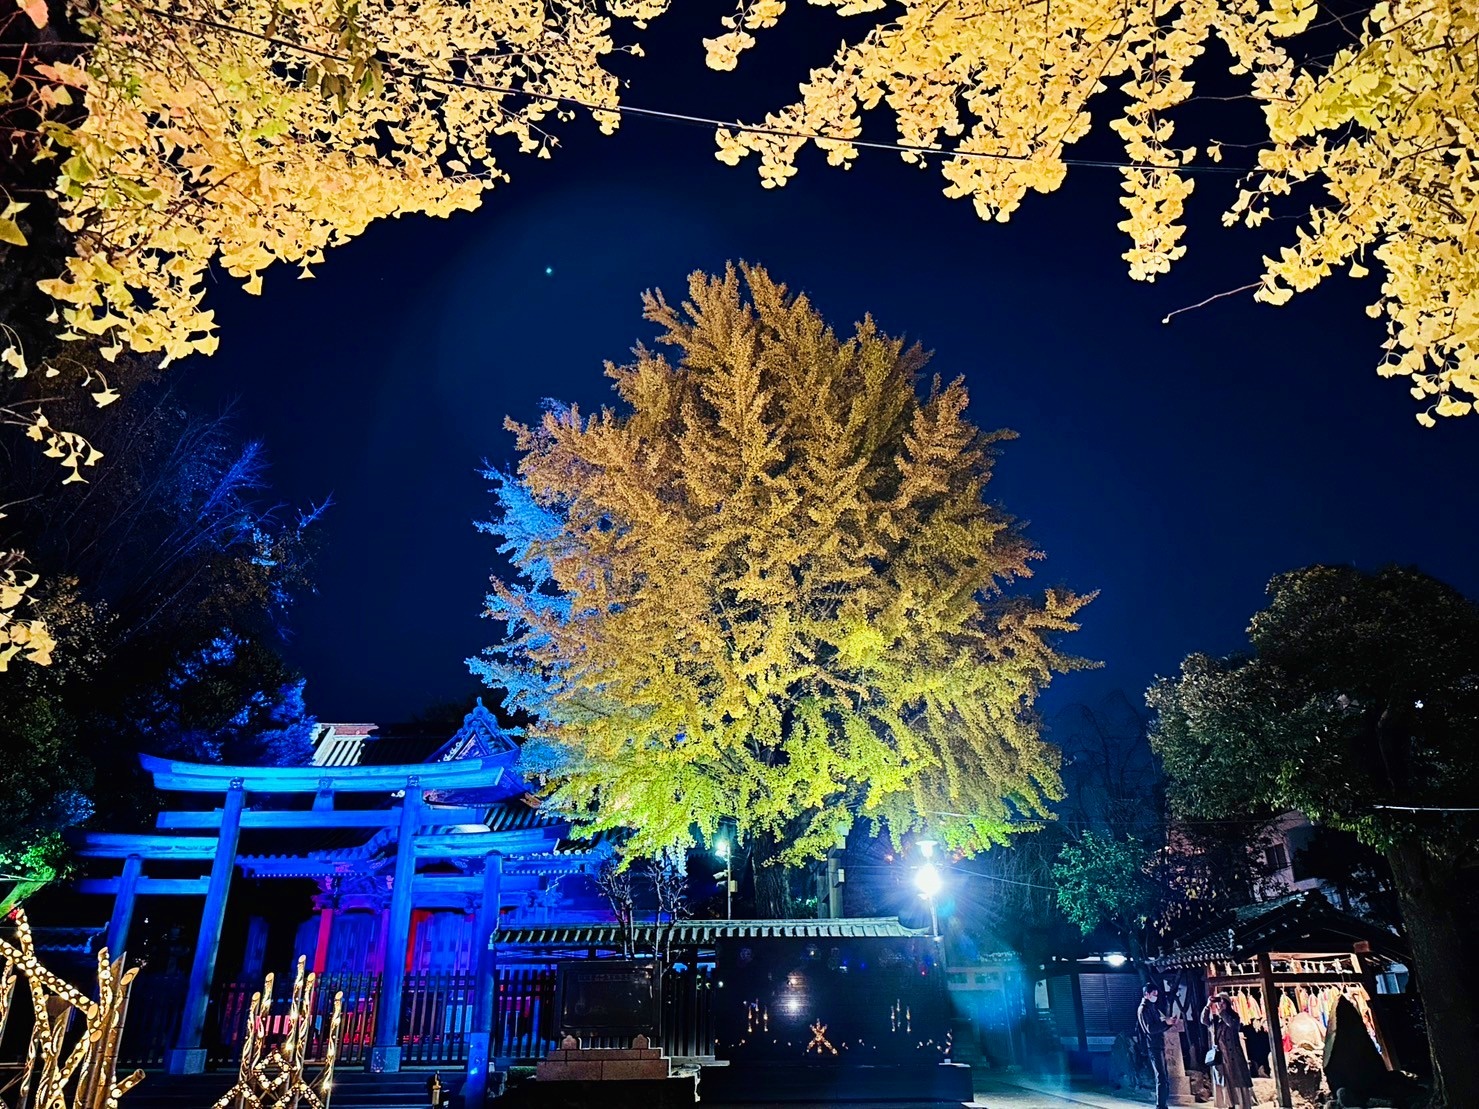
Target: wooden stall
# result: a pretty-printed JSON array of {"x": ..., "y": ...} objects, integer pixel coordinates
[{"x": 1285, "y": 963}]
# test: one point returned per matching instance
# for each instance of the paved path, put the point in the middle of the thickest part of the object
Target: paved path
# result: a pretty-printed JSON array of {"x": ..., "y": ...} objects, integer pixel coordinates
[
  {"x": 1027, "y": 1093},
  {"x": 994, "y": 1093}
]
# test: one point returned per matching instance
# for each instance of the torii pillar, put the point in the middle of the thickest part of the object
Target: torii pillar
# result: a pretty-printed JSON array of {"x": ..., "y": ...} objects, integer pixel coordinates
[
  {"x": 385, "y": 1055},
  {"x": 188, "y": 1055},
  {"x": 123, "y": 906},
  {"x": 480, "y": 1039}
]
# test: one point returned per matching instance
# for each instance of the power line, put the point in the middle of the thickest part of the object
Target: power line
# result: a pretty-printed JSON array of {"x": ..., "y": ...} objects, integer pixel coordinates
[
  {"x": 901, "y": 867},
  {"x": 401, "y": 69},
  {"x": 1078, "y": 822},
  {"x": 998, "y": 878}
]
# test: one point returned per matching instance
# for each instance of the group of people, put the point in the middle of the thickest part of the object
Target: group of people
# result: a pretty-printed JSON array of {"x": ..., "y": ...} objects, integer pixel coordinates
[{"x": 1232, "y": 1078}]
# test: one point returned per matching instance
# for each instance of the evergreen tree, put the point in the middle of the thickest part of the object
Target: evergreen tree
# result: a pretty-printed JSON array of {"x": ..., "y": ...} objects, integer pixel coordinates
[
  {"x": 1358, "y": 706},
  {"x": 166, "y": 581},
  {"x": 770, "y": 591}
]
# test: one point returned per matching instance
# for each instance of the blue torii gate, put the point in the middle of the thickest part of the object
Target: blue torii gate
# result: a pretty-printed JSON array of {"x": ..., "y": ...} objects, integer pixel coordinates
[{"x": 421, "y": 831}]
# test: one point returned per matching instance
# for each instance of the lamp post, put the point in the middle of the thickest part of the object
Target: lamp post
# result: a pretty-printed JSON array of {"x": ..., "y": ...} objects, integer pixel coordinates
[
  {"x": 929, "y": 883},
  {"x": 722, "y": 849}
]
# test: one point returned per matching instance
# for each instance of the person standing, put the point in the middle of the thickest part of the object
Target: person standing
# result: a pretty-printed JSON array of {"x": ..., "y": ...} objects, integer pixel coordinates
[
  {"x": 1153, "y": 1026},
  {"x": 1232, "y": 1080}
]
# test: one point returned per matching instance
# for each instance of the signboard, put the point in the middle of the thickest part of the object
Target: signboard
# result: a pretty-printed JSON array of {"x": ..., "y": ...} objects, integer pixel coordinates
[{"x": 609, "y": 998}]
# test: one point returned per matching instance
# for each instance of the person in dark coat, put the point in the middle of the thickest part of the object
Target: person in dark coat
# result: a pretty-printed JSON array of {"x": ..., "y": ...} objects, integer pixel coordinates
[
  {"x": 1153, "y": 1026},
  {"x": 1232, "y": 1081}
]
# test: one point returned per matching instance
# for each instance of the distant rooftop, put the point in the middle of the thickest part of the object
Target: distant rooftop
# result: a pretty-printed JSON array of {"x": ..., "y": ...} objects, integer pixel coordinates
[{"x": 690, "y": 933}]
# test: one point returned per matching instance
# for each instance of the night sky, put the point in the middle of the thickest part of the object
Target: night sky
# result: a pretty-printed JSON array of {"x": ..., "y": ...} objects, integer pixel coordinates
[{"x": 1172, "y": 468}]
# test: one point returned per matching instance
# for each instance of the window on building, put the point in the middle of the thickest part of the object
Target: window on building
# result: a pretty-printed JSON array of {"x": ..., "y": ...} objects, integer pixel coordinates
[{"x": 1277, "y": 856}]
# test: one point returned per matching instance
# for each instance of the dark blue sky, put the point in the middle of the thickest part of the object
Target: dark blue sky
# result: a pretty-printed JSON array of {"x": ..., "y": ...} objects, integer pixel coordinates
[{"x": 1173, "y": 468}]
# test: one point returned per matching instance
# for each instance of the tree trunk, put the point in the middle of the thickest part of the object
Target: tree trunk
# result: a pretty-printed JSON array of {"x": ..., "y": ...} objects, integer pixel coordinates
[
  {"x": 1443, "y": 970},
  {"x": 772, "y": 880}
]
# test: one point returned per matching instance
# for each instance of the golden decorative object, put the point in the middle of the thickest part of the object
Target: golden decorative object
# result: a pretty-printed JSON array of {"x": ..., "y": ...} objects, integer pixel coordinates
[
  {"x": 275, "y": 1050},
  {"x": 819, "y": 1039},
  {"x": 54, "y": 1077}
]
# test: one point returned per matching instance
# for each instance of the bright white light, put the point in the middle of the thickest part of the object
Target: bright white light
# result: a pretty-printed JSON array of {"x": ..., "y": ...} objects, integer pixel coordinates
[
  {"x": 926, "y": 847},
  {"x": 722, "y": 849},
  {"x": 793, "y": 1005},
  {"x": 1116, "y": 960},
  {"x": 928, "y": 879}
]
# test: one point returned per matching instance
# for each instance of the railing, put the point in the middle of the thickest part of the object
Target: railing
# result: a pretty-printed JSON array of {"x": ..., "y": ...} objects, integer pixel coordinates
[
  {"x": 357, "y": 1021},
  {"x": 688, "y": 1013},
  {"x": 525, "y": 1015},
  {"x": 436, "y": 1017},
  {"x": 226, "y": 1020},
  {"x": 153, "y": 1020}
]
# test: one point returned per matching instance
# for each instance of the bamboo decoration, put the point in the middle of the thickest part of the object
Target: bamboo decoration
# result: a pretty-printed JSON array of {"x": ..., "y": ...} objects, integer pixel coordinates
[
  {"x": 53, "y": 1076},
  {"x": 271, "y": 1076}
]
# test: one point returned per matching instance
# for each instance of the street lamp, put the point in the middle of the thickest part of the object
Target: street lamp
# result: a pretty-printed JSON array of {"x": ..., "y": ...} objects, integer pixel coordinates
[
  {"x": 928, "y": 881},
  {"x": 722, "y": 850}
]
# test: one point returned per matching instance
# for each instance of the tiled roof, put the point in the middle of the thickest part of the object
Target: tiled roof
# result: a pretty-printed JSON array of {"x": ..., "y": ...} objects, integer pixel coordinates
[
  {"x": 1303, "y": 921},
  {"x": 479, "y": 736},
  {"x": 702, "y": 932},
  {"x": 519, "y": 814},
  {"x": 363, "y": 745}
]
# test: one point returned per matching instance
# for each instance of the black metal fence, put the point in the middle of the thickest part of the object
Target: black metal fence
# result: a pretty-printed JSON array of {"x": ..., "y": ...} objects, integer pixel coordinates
[
  {"x": 526, "y": 1019},
  {"x": 436, "y": 1018},
  {"x": 155, "y": 1005}
]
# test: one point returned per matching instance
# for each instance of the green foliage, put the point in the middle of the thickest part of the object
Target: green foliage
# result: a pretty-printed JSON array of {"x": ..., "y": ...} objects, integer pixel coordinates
[
  {"x": 45, "y": 785},
  {"x": 1360, "y": 691},
  {"x": 1102, "y": 880},
  {"x": 771, "y": 592},
  {"x": 1164, "y": 877}
]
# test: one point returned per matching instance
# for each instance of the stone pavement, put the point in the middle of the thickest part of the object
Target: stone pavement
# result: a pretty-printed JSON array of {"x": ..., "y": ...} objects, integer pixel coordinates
[
  {"x": 1031, "y": 1093},
  {"x": 996, "y": 1093}
]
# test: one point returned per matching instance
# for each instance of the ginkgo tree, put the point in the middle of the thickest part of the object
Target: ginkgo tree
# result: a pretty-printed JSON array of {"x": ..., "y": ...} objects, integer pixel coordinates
[
  {"x": 157, "y": 142},
  {"x": 767, "y": 590},
  {"x": 22, "y": 632},
  {"x": 1375, "y": 145},
  {"x": 246, "y": 133}
]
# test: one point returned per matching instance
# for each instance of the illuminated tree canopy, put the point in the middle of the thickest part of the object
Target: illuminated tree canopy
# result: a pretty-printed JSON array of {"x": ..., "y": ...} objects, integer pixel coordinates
[
  {"x": 245, "y": 133},
  {"x": 148, "y": 144},
  {"x": 1388, "y": 126},
  {"x": 171, "y": 140},
  {"x": 768, "y": 590}
]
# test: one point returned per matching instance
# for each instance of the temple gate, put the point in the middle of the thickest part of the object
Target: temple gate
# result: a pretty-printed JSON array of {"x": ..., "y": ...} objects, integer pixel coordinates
[{"x": 414, "y": 864}]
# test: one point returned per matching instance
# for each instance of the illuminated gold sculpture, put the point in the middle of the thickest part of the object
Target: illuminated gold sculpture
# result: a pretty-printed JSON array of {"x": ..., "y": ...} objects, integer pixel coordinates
[
  {"x": 54, "y": 1077},
  {"x": 275, "y": 1051}
]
